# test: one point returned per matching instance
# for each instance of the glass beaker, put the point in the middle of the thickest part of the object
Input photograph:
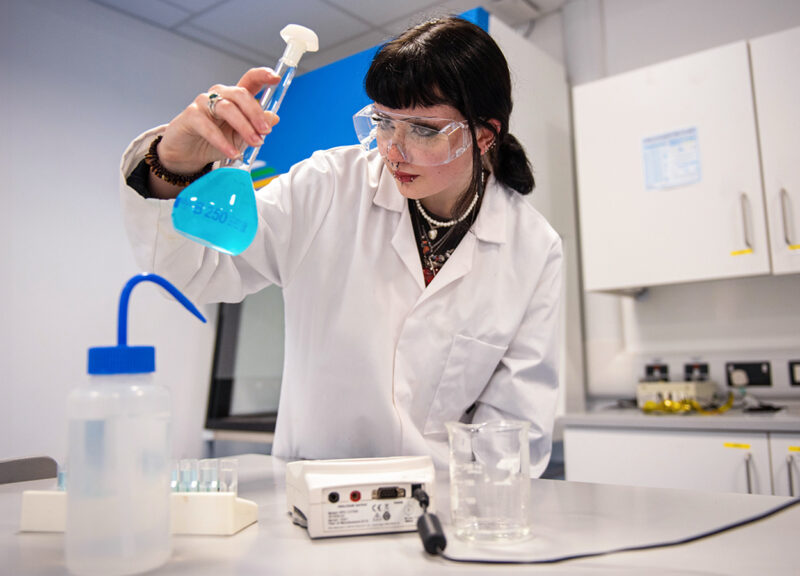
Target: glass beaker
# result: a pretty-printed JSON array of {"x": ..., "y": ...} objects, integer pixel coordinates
[{"x": 489, "y": 480}]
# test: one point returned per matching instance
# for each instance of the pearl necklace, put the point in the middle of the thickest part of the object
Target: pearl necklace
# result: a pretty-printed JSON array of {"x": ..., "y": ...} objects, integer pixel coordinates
[{"x": 433, "y": 232}]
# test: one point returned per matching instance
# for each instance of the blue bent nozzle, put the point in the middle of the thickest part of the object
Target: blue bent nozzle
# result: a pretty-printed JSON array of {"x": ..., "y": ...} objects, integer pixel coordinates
[
  {"x": 124, "y": 359},
  {"x": 122, "y": 318}
]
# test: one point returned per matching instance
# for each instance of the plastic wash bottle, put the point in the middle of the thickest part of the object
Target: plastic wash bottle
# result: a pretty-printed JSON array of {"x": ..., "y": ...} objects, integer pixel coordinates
[{"x": 118, "y": 494}]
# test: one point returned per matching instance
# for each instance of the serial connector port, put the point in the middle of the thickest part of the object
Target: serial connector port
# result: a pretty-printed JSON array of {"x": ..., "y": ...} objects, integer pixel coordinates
[{"x": 388, "y": 493}]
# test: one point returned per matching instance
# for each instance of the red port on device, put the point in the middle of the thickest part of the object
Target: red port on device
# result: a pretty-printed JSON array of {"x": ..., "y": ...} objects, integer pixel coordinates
[{"x": 355, "y": 495}]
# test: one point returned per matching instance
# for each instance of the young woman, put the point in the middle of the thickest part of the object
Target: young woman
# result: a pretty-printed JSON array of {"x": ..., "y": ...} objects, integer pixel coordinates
[{"x": 420, "y": 286}]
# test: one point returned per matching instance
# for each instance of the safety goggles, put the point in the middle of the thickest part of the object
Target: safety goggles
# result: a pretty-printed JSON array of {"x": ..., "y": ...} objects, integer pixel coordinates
[{"x": 417, "y": 140}]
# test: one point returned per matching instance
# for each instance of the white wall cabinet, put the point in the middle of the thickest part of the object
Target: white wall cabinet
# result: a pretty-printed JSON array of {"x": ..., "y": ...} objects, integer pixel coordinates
[
  {"x": 669, "y": 172},
  {"x": 777, "y": 95},
  {"x": 721, "y": 461},
  {"x": 785, "y": 453}
]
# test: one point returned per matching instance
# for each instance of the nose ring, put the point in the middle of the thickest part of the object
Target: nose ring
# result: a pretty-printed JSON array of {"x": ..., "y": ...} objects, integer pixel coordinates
[{"x": 399, "y": 151}]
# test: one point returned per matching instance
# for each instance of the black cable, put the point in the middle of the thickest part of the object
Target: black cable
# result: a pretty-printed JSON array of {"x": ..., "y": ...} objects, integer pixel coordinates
[{"x": 434, "y": 541}]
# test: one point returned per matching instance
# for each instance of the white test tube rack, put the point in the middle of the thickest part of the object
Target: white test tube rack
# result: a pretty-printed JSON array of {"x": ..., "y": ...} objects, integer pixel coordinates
[
  {"x": 196, "y": 513},
  {"x": 203, "y": 501}
]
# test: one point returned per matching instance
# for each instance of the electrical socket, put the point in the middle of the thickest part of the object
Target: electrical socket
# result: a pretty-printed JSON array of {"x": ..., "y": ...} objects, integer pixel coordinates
[
  {"x": 656, "y": 373},
  {"x": 794, "y": 372},
  {"x": 748, "y": 373},
  {"x": 695, "y": 371}
]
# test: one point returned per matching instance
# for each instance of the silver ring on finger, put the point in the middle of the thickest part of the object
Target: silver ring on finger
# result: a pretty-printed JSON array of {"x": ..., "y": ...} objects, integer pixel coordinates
[{"x": 213, "y": 98}]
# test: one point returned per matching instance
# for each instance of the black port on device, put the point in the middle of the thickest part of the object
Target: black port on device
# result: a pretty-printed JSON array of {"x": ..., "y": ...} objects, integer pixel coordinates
[
  {"x": 388, "y": 493},
  {"x": 333, "y": 497}
]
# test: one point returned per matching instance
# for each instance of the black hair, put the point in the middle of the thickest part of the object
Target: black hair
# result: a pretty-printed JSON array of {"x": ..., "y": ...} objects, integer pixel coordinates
[{"x": 453, "y": 62}]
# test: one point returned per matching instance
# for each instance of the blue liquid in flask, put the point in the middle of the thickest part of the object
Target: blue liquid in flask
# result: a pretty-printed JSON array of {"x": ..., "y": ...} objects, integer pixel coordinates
[{"x": 218, "y": 210}]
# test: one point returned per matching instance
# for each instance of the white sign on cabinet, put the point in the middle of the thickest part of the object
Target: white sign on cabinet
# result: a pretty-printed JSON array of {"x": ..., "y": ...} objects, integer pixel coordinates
[{"x": 671, "y": 160}]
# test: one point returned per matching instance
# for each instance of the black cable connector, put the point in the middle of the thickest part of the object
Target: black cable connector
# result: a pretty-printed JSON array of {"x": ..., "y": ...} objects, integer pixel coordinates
[
  {"x": 431, "y": 533},
  {"x": 422, "y": 497},
  {"x": 428, "y": 526}
]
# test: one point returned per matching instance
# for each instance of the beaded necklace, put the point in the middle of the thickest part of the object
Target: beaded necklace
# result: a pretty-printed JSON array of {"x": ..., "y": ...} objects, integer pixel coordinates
[
  {"x": 434, "y": 250},
  {"x": 433, "y": 232}
]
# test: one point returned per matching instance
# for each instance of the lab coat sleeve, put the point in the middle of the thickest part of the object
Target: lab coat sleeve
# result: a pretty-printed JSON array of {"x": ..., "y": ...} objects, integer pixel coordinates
[
  {"x": 525, "y": 384},
  {"x": 290, "y": 209}
]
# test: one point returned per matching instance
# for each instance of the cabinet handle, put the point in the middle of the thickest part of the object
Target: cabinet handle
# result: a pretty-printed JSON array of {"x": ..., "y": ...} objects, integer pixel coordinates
[
  {"x": 786, "y": 213},
  {"x": 789, "y": 465},
  {"x": 745, "y": 201},
  {"x": 747, "y": 460}
]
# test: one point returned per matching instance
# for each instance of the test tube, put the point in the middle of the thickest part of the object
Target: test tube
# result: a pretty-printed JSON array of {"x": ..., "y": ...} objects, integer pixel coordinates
[
  {"x": 228, "y": 475},
  {"x": 62, "y": 478},
  {"x": 208, "y": 479},
  {"x": 194, "y": 464},
  {"x": 187, "y": 475},
  {"x": 173, "y": 482}
]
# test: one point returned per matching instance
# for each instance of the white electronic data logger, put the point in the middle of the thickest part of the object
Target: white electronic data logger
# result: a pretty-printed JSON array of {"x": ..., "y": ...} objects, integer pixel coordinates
[{"x": 358, "y": 496}]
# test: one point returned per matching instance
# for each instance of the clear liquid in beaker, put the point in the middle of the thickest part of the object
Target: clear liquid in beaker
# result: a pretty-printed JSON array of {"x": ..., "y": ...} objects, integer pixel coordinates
[{"x": 489, "y": 480}]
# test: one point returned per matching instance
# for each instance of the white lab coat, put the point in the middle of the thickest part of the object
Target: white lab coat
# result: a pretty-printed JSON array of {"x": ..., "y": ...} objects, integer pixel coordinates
[{"x": 375, "y": 361}]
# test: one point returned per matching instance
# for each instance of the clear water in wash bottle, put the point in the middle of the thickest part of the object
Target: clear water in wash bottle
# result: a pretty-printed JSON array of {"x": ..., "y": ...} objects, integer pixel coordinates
[
  {"x": 218, "y": 210},
  {"x": 119, "y": 460}
]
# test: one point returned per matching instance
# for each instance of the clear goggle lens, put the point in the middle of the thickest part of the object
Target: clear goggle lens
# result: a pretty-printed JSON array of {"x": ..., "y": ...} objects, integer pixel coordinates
[{"x": 417, "y": 140}]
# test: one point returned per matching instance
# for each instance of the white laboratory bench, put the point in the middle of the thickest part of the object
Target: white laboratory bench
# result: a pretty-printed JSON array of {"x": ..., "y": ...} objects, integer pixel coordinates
[
  {"x": 731, "y": 452},
  {"x": 568, "y": 518}
]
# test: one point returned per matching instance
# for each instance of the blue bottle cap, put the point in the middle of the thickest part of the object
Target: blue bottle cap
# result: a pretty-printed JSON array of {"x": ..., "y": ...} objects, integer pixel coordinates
[{"x": 124, "y": 359}]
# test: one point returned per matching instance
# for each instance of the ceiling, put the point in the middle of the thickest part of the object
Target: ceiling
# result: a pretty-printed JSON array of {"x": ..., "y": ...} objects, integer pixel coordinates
[{"x": 249, "y": 29}]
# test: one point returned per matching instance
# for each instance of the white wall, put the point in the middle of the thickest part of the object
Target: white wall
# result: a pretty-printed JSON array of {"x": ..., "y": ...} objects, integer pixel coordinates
[
  {"x": 641, "y": 32},
  {"x": 79, "y": 82},
  {"x": 541, "y": 121},
  {"x": 743, "y": 320},
  {"x": 605, "y": 37}
]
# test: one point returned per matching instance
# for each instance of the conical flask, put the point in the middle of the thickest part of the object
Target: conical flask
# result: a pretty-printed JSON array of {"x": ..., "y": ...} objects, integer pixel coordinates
[{"x": 218, "y": 210}]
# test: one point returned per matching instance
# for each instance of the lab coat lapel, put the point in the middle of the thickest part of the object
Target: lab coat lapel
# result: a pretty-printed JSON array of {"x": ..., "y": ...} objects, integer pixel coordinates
[
  {"x": 403, "y": 242},
  {"x": 489, "y": 226},
  {"x": 458, "y": 265}
]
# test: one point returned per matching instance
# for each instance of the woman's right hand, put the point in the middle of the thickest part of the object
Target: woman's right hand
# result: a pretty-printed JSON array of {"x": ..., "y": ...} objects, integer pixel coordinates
[{"x": 197, "y": 136}]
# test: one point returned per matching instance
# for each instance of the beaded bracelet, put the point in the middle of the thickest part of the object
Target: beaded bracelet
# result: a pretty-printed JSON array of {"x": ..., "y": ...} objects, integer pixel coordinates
[{"x": 151, "y": 158}]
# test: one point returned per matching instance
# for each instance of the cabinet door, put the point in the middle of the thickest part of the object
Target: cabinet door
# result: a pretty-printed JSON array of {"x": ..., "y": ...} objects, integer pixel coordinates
[
  {"x": 715, "y": 461},
  {"x": 785, "y": 451},
  {"x": 669, "y": 181},
  {"x": 776, "y": 84}
]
